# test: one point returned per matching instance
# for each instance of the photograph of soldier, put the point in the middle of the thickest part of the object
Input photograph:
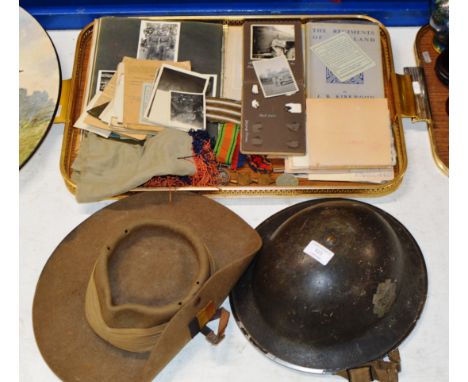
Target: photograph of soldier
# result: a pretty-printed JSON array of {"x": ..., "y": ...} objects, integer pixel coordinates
[
  {"x": 188, "y": 108},
  {"x": 275, "y": 76},
  {"x": 268, "y": 41},
  {"x": 158, "y": 41}
]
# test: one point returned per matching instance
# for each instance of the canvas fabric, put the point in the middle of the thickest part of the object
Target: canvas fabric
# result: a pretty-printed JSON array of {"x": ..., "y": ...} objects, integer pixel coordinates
[{"x": 107, "y": 167}]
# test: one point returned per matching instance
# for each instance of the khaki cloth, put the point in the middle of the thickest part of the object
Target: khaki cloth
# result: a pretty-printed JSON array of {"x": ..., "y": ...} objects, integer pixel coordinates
[{"x": 106, "y": 167}]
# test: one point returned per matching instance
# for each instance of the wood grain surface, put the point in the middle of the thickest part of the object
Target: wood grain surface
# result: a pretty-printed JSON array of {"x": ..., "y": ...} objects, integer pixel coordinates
[{"x": 438, "y": 94}]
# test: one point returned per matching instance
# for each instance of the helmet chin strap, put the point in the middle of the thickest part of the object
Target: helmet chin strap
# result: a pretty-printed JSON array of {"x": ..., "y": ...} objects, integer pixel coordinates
[{"x": 381, "y": 370}]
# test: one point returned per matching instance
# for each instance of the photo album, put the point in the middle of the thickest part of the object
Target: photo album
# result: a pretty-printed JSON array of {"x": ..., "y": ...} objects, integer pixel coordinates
[
  {"x": 273, "y": 113},
  {"x": 272, "y": 102}
]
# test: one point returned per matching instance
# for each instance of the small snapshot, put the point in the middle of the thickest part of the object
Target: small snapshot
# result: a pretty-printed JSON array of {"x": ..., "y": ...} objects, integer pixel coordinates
[
  {"x": 275, "y": 77},
  {"x": 270, "y": 41},
  {"x": 104, "y": 76}
]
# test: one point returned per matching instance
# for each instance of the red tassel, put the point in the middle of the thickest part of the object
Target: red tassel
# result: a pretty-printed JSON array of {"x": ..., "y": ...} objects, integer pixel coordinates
[{"x": 207, "y": 172}]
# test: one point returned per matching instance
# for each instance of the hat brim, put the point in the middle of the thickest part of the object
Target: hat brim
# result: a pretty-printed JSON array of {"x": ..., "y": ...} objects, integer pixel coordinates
[
  {"x": 373, "y": 344},
  {"x": 66, "y": 341}
]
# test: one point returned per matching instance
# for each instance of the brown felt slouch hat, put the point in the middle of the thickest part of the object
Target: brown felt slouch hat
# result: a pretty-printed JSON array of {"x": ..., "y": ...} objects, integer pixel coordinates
[{"x": 132, "y": 284}]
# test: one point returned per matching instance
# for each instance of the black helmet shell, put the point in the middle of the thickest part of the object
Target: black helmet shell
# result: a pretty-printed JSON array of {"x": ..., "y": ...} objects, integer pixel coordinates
[{"x": 354, "y": 309}]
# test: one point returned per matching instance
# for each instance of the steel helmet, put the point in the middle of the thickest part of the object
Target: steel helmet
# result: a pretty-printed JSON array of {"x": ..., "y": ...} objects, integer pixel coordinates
[{"x": 337, "y": 284}]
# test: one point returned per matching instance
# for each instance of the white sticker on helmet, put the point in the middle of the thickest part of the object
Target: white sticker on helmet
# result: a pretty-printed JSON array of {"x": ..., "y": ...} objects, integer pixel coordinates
[{"x": 320, "y": 253}]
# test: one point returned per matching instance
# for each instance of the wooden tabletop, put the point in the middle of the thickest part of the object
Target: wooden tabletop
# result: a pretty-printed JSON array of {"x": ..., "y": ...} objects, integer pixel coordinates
[{"x": 438, "y": 95}]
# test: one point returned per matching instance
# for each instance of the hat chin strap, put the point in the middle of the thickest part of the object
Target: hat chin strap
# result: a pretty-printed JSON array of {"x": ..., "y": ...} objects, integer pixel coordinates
[{"x": 137, "y": 339}]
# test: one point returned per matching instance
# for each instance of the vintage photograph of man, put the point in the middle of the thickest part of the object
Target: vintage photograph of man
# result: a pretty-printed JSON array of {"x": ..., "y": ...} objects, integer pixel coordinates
[
  {"x": 275, "y": 76},
  {"x": 188, "y": 108},
  {"x": 158, "y": 41},
  {"x": 268, "y": 41}
]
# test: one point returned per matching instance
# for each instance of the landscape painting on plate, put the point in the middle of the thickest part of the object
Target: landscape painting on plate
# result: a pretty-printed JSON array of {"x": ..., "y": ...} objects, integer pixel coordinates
[{"x": 39, "y": 84}]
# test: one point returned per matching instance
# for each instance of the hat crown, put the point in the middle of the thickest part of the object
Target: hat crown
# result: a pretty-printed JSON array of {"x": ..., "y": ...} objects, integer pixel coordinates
[
  {"x": 152, "y": 266},
  {"x": 142, "y": 252}
]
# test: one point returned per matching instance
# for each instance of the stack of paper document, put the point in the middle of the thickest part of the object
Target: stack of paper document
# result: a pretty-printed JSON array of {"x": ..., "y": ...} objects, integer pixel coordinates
[
  {"x": 347, "y": 140},
  {"x": 144, "y": 96}
]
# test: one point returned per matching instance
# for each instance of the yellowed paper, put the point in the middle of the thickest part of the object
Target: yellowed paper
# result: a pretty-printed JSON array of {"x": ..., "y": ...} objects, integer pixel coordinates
[
  {"x": 105, "y": 97},
  {"x": 80, "y": 124},
  {"x": 99, "y": 99},
  {"x": 371, "y": 175},
  {"x": 106, "y": 114},
  {"x": 123, "y": 94},
  {"x": 348, "y": 133},
  {"x": 119, "y": 97}
]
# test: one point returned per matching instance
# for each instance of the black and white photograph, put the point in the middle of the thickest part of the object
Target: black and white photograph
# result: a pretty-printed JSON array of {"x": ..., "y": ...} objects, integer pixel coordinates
[
  {"x": 212, "y": 85},
  {"x": 172, "y": 78},
  {"x": 275, "y": 76},
  {"x": 104, "y": 76},
  {"x": 158, "y": 41},
  {"x": 188, "y": 108},
  {"x": 268, "y": 41}
]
